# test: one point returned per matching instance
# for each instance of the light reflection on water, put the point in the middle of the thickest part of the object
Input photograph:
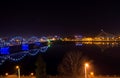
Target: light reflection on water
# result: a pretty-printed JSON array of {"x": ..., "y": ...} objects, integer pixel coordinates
[
  {"x": 106, "y": 55},
  {"x": 102, "y": 45}
]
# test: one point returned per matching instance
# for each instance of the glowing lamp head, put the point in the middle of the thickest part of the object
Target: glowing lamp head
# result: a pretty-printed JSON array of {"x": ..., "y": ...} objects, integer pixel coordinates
[
  {"x": 91, "y": 73},
  {"x": 86, "y": 65},
  {"x": 17, "y": 67},
  {"x": 6, "y": 74},
  {"x": 31, "y": 74}
]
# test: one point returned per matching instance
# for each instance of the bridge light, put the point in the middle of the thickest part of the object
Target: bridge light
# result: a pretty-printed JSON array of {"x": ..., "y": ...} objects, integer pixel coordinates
[
  {"x": 38, "y": 44},
  {"x": 25, "y": 47},
  {"x": 4, "y": 50}
]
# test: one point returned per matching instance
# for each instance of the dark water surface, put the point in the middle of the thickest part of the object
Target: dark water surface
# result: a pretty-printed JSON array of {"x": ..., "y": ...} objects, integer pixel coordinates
[{"x": 105, "y": 56}]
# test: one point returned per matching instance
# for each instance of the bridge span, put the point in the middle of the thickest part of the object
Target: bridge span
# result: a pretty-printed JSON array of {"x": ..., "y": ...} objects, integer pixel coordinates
[{"x": 17, "y": 48}]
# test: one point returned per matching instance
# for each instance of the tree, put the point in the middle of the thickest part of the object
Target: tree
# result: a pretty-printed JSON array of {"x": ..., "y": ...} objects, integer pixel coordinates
[
  {"x": 72, "y": 64},
  {"x": 41, "y": 67}
]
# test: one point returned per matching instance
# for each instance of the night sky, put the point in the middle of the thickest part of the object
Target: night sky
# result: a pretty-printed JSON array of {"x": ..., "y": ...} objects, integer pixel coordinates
[{"x": 62, "y": 18}]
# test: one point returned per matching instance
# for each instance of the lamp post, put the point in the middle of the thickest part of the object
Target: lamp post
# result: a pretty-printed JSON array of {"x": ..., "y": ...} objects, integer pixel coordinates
[
  {"x": 18, "y": 68},
  {"x": 86, "y": 66}
]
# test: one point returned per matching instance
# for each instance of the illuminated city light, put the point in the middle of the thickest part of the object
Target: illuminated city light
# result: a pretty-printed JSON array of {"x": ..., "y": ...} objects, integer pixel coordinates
[
  {"x": 4, "y": 50},
  {"x": 25, "y": 47},
  {"x": 6, "y": 74},
  {"x": 92, "y": 73},
  {"x": 31, "y": 74}
]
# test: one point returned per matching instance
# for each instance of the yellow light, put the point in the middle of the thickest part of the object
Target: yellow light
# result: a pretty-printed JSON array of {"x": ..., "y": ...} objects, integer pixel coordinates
[
  {"x": 31, "y": 74},
  {"x": 53, "y": 39},
  {"x": 6, "y": 74},
  {"x": 17, "y": 67},
  {"x": 17, "y": 40},
  {"x": 86, "y": 65},
  {"x": 91, "y": 73},
  {"x": 87, "y": 39}
]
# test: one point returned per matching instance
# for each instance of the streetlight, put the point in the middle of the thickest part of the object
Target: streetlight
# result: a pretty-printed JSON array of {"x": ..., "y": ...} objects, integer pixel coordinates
[
  {"x": 18, "y": 68},
  {"x": 86, "y": 65},
  {"x": 91, "y": 74},
  {"x": 6, "y": 74},
  {"x": 31, "y": 74}
]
